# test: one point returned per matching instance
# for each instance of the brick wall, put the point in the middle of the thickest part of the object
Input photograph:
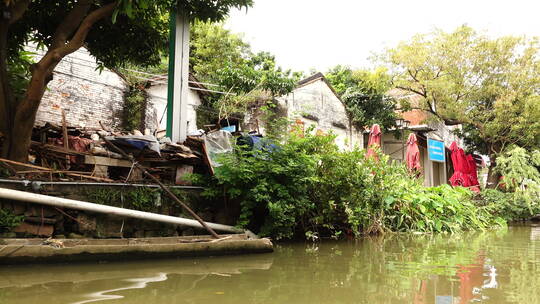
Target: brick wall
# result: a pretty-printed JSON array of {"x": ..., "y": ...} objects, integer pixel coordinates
[{"x": 86, "y": 95}]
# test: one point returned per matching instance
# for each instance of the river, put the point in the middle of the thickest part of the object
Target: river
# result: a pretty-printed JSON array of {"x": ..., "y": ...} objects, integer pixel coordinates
[{"x": 491, "y": 267}]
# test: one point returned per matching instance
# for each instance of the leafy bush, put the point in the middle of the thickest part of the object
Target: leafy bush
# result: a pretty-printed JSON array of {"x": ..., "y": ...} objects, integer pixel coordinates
[
  {"x": 307, "y": 187},
  {"x": 505, "y": 205},
  {"x": 521, "y": 179},
  {"x": 8, "y": 220}
]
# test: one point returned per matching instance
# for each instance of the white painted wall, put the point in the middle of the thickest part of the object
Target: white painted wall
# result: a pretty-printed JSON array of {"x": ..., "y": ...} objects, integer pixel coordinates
[{"x": 157, "y": 108}]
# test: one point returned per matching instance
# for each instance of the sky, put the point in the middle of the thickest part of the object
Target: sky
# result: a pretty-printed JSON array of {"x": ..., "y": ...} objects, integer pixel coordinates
[{"x": 319, "y": 34}]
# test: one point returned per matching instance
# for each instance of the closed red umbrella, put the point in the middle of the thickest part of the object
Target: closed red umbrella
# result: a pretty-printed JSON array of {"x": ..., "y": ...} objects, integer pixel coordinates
[
  {"x": 412, "y": 157},
  {"x": 461, "y": 176},
  {"x": 472, "y": 170},
  {"x": 374, "y": 140},
  {"x": 465, "y": 174}
]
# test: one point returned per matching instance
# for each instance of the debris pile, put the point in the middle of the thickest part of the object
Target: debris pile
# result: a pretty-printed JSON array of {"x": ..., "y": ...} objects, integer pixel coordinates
[{"x": 63, "y": 153}]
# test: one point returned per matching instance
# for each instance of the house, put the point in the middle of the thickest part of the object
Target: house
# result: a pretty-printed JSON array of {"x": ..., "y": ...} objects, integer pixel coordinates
[
  {"x": 422, "y": 123},
  {"x": 314, "y": 103},
  {"x": 156, "y": 110}
]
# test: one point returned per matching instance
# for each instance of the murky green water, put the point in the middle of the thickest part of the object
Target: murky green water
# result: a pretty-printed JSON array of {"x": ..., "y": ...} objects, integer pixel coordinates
[{"x": 493, "y": 267}]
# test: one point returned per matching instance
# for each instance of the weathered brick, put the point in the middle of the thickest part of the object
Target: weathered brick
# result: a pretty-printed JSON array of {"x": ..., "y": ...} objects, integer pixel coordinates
[{"x": 28, "y": 229}]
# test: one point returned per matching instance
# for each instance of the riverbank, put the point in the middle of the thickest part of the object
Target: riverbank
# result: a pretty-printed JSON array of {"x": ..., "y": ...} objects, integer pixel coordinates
[{"x": 27, "y": 251}]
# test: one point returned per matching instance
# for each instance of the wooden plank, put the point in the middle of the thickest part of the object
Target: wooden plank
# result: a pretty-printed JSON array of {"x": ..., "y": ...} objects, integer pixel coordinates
[
  {"x": 65, "y": 137},
  {"x": 52, "y": 148},
  {"x": 106, "y": 161},
  {"x": 48, "y": 172},
  {"x": 206, "y": 159},
  {"x": 7, "y": 161}
]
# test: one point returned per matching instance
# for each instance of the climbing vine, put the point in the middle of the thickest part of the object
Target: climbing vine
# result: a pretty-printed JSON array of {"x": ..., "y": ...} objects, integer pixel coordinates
[{"x": 134, "y": 114}]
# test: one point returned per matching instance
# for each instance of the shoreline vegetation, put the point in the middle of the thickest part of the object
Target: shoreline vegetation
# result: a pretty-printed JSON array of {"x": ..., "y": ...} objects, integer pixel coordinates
[{"x": 304, "y": 187}]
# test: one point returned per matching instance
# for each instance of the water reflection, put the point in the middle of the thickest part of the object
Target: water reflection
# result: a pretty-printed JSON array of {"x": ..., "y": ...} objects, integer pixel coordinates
[
  {"x": 134, "y": 284},
  {"x": 491, "y": 267}
]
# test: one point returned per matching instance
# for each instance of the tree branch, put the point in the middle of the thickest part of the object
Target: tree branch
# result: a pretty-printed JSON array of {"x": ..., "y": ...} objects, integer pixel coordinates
[
  {"x": 43, "y": 69},
  {"x": 413, "y": 75},
  {"x": 53, "y": 56},
  {"x": 79, "y": 37},
  {"x": 412, "y": 91},
  {"x": 70, "y": 23}
]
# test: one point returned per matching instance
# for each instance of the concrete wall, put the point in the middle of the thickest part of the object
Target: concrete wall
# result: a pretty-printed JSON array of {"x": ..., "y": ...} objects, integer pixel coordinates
[
  {"x": 86, "y": 95},
  {"x": 156, "y": 115},
  {"x": 316, "y": 104}
]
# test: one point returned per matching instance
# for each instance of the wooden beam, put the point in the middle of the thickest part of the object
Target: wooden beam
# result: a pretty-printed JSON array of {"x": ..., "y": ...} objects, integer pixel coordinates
[
  {"x": 106, "y": 161},
  {"x": 65, "y": 136}
]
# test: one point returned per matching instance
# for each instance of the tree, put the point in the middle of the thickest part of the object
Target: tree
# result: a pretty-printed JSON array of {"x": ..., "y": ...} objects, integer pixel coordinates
[
  {"x": 223, "y": 58},
  {"x": 364, "y": 95},
  {"x": 490, "y": 86},
  {"x": 115, "y": 32},
  {"x": 212, "y": 46}
]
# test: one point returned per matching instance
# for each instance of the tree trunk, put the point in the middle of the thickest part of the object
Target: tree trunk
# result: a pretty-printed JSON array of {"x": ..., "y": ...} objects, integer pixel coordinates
[
  {"x": 6, "y": 96},
  {"x": 493, "y": 177},
  {"x": 20, "y": 136},
  {"x": 17, "y": 120}
]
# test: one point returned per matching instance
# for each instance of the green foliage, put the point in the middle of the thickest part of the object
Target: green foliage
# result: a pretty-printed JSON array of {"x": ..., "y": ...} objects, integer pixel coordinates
[
  {"x": 307, "y": 187},
  {"x": 519, "y": 168},
  {"x": 221, "y": 57},
  {"x": 143, "y": 199},
  {"x": 140, "y": 198},
  {"x": 211, "y": 47},
  {"x": 8, "y": 220},
  {"x": 104, "y": 196},
  {"x": 489, "y": 85},
  {"x": 507, "y": 205},
  {"x": 134, "y": 108},
  {"x": 18, "y": 72},
  {"x": 136, "y": 33},
  {"x": 365, "y": 95},
  {"x": 521, "y": 177},
  {"x": 258, "y": 71}
]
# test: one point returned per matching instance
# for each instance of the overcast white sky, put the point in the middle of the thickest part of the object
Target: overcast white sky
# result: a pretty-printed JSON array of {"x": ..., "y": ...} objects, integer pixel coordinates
[{"x": 319, "y": 34}]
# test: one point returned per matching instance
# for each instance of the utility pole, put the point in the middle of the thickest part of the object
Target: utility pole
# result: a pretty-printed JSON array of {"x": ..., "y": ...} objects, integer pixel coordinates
[{"x": 178, "y": 77}]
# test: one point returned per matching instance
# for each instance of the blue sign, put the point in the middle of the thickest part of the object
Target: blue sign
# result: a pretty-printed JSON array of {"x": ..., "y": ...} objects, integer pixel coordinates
[{"x": 436, "y": 150}]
